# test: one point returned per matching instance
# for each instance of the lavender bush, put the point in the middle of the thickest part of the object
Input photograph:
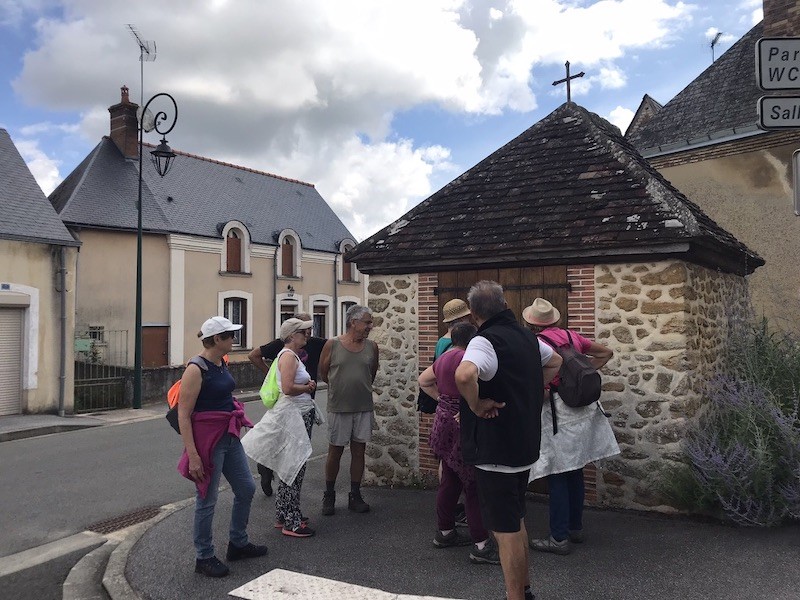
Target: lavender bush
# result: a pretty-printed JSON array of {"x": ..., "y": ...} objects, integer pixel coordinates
[{"x": 743, "y": 453}]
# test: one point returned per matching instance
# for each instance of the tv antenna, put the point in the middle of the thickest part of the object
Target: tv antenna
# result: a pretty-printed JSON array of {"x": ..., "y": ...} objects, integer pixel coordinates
[
  {"x": 714, "y": 42},
  {"x": 147, "y": 53}
]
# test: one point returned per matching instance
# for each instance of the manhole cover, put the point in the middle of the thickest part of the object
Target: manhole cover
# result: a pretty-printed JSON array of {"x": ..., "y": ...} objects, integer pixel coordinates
[{"x": 123, "y": 521}]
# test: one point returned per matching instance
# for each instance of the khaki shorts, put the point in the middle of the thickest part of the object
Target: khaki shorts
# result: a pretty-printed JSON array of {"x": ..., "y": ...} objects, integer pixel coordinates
[{"x": 344, "y": 428}]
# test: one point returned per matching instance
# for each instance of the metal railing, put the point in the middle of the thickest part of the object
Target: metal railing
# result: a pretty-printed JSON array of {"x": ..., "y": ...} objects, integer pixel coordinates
[{"x": 101, "y": 367}]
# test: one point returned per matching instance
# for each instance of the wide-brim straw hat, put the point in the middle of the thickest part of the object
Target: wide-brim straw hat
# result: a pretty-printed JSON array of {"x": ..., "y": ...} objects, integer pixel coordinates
[
  {"x": 541, "y": 313},
  {"x": 454, "y": 309}
]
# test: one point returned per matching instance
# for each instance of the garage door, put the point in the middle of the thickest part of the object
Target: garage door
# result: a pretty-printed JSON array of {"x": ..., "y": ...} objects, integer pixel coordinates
[{"x": 10, "y": 361}]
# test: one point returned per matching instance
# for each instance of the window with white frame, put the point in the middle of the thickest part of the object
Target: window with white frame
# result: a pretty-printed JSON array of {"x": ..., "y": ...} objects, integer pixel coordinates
[
  {"x": 288, "y": 310},
  {"x": 236, "y": 311},
  {"x": 235, "y": 248},
  {"x": 348, "y": 272}
]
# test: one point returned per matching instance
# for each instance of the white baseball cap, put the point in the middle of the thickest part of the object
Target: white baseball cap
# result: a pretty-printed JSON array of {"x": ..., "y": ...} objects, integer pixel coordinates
[
  {"x": 289, "y": 326},
  {"x": 216, "y": 325}
]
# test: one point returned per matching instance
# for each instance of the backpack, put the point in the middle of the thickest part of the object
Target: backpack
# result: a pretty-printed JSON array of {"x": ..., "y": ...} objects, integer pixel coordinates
[
  {"x": 270, "y": 390},
  {"x": 174, "y": 392},
  {"x": 579, "y": 383}
]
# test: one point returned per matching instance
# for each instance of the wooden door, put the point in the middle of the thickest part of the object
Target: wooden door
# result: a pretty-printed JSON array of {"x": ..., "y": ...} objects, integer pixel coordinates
[{"x": 155, "y": 346}]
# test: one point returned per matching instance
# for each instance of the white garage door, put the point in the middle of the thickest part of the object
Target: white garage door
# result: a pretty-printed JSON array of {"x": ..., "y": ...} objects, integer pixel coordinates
[{"x": 10, "y": 361}]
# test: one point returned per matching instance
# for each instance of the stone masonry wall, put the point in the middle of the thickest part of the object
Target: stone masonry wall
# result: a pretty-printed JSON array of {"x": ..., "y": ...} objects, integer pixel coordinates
[
  {"x": 392, "y": 456},
  {"x": 667, "y": 323}
]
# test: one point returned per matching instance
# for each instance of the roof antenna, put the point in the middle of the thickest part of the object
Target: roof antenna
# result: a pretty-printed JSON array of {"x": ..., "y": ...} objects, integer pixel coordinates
[
  {"x": 147, "y": 52},
  {"x": 714, "y": 43}
]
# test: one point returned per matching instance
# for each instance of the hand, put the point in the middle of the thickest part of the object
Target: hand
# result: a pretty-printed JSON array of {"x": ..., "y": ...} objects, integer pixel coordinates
[
  {"x": 312, "y": 385},
  {"x": 488, "y": 408},
  {"x": 457, "y": 417},
  {"x": 196, "y": 468}
]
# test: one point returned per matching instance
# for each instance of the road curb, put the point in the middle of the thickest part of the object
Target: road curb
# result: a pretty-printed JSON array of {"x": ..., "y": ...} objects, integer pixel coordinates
[
  {"x": 114, "y": 580},
  {"x": 84, "y": 579}
]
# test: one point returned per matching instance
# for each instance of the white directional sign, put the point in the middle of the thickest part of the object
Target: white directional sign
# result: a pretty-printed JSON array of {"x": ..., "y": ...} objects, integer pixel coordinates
[
  {"x": 779, "y": 112},
  {"x": 778, "y": 63}
]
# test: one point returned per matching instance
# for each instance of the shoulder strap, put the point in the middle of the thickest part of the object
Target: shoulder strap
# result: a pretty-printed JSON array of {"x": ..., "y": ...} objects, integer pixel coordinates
[
  {"x": 199, "y": 361},
  {"x": 569, "y": 337},
  {"x": 547, "y": 340}
]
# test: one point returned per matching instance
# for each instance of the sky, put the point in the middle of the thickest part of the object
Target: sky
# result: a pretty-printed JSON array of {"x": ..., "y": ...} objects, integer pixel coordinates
[{"x": 378, "y": 103}]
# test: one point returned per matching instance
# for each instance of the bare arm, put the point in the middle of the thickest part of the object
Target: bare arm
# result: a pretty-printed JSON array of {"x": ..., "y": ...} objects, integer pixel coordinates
[
  {"x": 467, "y": 382},
  {"x": 551, "y": 367},
  {"x": 599, "y": 355},
  {"x": 257, "y": 360},
  {"x": 325, "y": 361},
  {"x": 376, "y": 362},
  {"x": 287, "y": 365},
  {"x": 427, "y": 382},
  {"x": 190, "y": 388}
]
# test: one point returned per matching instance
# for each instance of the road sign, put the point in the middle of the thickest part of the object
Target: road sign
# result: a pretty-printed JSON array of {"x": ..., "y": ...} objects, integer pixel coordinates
[
  {"x": 779, "y": 112},
  {"x": 778, "y": 63}
]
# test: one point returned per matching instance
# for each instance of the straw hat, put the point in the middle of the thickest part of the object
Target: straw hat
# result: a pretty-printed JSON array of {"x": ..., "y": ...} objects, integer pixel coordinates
[
  {"x": 541, "y": 313},
  {"x": 454, "y": 309}
]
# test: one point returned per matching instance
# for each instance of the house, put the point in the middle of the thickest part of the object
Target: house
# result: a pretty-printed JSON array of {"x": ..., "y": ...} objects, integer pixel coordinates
[
  {"x": 37, "y": 294},
  {"x": 217, "y": 239},
  {"x": 571, "y": 212},
  {"x": 706, "y": 141}
]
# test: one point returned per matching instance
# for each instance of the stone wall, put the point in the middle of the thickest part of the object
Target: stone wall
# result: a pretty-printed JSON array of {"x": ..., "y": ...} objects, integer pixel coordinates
[
  {"x": 392, "y": 455},
  {"x": 667, "y": 323}
]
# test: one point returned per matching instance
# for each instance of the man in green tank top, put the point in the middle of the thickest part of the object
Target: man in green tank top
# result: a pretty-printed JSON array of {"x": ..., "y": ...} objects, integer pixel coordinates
[{"x": 349, "y": 364}]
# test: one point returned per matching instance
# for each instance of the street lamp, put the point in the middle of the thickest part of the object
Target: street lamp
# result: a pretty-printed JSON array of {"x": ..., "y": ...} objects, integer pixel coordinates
[{"x": 162, "y": 158}]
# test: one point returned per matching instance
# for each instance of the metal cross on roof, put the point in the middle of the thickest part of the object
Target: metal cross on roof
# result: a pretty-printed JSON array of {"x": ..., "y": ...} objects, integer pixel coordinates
[{"x": 567, "y": 80}]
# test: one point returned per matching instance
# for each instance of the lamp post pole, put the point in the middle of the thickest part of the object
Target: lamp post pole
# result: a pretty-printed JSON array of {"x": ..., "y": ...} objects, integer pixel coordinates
[{"x": 162, "y": 158}]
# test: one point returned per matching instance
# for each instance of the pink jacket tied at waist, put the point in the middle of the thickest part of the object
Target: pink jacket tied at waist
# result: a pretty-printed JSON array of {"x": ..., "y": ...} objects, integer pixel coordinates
[{"x": 208, "y": 427}]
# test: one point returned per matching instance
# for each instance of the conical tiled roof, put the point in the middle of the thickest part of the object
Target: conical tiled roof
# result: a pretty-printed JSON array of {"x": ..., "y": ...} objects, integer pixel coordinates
[{"x": 569, "y": 189}]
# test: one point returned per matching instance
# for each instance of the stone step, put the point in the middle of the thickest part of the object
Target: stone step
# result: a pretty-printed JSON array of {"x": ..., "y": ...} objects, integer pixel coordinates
[{"x": 85, "y": 579}]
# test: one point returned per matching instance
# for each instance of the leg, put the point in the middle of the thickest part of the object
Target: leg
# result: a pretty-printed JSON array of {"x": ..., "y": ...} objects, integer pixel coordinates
[
  {"x": 237, "y": 472},
  {"x": 332, "y": 462},
  {"x": 446, "y": 498},
  {"x": 474, "y": 520},
  {"x": 292, "y": 516},
  {"x": 266, "y": 479},
  {"x": 559, "y": 505},
  {"x": 575, "y": 493},
  {"x": 513, "y": 553},
  {"x": 357, "y": 451},
  {"x": 204, "y": 507}
]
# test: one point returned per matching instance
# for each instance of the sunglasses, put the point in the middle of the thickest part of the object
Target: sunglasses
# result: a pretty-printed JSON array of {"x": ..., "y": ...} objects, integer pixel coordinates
[{"x": 226, "y": 335}]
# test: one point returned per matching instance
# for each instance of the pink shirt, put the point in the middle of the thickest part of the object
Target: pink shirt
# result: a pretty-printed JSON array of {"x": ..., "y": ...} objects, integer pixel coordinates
[{"x": 558, "y": 336}]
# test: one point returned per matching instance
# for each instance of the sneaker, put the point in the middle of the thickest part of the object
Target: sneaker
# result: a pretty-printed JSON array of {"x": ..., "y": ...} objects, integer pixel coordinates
[
  {"x": 550, "y": 545},
  {"x": 301, "y": 532},
  {"x": 576, "y": 536},
  {"x": 248, "y": 551},
  {"x": 279, "y": 522},
  {"x": 454, "y": 538},
  {"x": 356, "y": 503},
  {"x": 328, "y": 503},
  {"x": 266, "y": 479},
  {"x": 488, "y": 556},
  {"x": 461, "y": 515},
  {"x": 211, "y": 567}
]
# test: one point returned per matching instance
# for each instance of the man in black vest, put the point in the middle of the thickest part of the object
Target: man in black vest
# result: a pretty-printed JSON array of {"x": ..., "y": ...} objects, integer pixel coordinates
[{"x": 501, "y": 380}]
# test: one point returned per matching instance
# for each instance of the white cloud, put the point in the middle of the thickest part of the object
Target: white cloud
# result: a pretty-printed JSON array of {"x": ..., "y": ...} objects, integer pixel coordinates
[
  {"x": 44, "y": 168},
  {"x": 621, "y": 117},
  {"x": 310, "y": 89}
]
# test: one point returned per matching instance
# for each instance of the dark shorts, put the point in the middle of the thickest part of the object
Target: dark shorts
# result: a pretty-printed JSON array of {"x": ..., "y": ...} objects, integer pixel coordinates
[{"x": 502, "y": 499}]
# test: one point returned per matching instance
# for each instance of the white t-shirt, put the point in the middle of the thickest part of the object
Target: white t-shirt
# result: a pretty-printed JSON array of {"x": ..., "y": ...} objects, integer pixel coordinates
[{"x": 480, "y": 352}]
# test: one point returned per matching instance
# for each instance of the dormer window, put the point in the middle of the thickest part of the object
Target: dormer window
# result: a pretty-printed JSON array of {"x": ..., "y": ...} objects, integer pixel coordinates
[
  {"x": 289, "y": 254},
  {"x": 287, "y": 257},
  {"x": 235, "y": 248},
  {"x": 348, "y": 272}
]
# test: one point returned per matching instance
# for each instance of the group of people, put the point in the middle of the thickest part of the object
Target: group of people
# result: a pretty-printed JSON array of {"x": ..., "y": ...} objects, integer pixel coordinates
[
  {"x": 211, "y": 420},
  {"x": 494, "y": 433},
  {"x": 492, "y": 430}
]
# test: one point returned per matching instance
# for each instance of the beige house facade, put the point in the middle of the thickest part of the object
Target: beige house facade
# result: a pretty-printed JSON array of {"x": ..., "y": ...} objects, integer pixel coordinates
[{"x": 37, "y": 295}]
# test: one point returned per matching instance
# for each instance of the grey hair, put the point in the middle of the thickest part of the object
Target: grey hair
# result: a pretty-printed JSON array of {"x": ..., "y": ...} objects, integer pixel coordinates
[
  {"x": 486, "y": 299},
  {"x": 354, "y": 313}
]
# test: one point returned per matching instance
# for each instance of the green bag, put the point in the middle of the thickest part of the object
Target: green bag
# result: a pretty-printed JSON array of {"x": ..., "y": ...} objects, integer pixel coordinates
[{"x": 270, "y": 390}]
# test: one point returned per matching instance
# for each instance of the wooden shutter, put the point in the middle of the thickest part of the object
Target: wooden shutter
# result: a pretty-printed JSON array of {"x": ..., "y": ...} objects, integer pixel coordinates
[
  {"x": 11, "y": 350},
  {"x": 234, "y": 255},
  {"x": 287, "y": 259}
]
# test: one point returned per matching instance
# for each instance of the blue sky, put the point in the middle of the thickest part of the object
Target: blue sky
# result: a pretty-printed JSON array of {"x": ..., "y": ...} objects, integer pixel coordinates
[{"x": 378, "y": 104}]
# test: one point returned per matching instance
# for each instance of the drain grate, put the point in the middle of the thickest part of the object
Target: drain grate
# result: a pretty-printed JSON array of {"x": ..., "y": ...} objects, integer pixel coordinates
[{"x": 123, "y": 521}]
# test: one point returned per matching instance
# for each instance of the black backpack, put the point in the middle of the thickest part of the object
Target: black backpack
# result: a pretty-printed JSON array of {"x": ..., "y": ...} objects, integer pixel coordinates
[{"x": 579, "y": 381}]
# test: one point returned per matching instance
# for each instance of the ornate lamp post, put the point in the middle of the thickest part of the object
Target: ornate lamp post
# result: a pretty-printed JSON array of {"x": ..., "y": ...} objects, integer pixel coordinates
[{"x": 162, "y": 158}]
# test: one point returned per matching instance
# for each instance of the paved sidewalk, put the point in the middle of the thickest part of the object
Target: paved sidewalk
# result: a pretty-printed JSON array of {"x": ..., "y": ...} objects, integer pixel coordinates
[{"x": 626, "y": 555}]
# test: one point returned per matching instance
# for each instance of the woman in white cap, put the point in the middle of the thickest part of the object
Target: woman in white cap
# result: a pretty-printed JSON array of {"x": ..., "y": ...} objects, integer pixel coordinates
[
  {"x": 453, "y": 312},
  {"x": 282, "y": 439},
  {"x": 210, "y": 420},
  {"x": 583, "y": 435}
]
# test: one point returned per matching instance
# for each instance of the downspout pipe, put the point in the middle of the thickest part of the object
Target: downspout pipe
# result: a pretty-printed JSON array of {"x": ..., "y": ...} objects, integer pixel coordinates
[
  {"x": 62, "y": 373},
  {"x": 275, "y": 291},
  {"x": 335, "y": 307}
]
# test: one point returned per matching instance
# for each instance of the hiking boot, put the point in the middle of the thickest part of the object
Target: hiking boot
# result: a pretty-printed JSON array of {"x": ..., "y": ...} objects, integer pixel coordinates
[
  {"x": 551, "y": 545},
  {"x": 280, "y": 522},
  {"x": 211, "y": 567},
  {"x": 266, "y": 479},
  {"x": 576, "y": 536},
  {"x": 356, "y": 503},
  {"x": 454, "y": 538},
  {"x": 488, "y": 556},
  {"x": 248, "y": 551},
  {"x": 328, "y": 503},
  {"x": 302, "y": 531}
]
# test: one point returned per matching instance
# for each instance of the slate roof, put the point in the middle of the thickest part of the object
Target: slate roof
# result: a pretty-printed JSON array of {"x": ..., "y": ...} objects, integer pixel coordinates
[
  {"x": 570, "y": 189},
  {"x": 648, "y": 108},
  {"x": 720, "y": 102},
  {"x": 25, "y": 213},
  {"x": 197, "y": 197}
]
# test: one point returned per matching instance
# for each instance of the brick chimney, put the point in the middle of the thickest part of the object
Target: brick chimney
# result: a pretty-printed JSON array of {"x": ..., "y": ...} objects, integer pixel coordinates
[
  {"x": 124, "y": 125},
  {"x": 781, "y": 18}
]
